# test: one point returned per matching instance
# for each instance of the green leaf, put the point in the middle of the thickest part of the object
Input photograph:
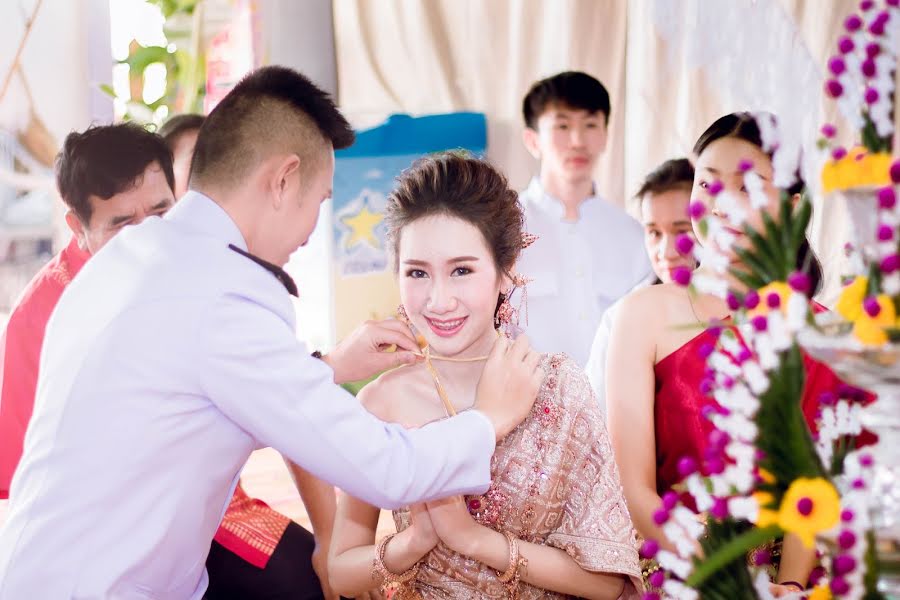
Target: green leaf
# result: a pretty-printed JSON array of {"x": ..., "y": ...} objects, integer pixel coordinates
[
  {"x": 773, "y": 237},
  {"x": 754, "y": 262},
  {"x": 108, "y": 90},
  {"x": 760, "y": 246},
  {"x": 725, "y": 548},
  {"x": 144, "y": 56},
  {"x": 751, "y": 281}
]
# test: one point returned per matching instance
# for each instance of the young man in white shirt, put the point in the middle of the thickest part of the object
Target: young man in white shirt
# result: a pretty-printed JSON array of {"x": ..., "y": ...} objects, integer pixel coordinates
[
  {"x": 664, "y": 196},
  {"x": 589, "y": 251}
]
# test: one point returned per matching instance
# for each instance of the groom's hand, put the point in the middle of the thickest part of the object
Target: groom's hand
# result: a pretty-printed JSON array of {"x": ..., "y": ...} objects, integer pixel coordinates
[{"x": 364, "y": 352}]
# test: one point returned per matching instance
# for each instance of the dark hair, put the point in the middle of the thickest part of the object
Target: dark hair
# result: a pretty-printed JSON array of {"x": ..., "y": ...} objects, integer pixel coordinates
[
  {"x": 468, "y": 188},
  {"x": 173, "y": 128},
  {"x": 743, "y": 126},
  {"x": 572, "y": 89},
  {"x": 270, "y": 105},
  {"x": 106, "y": 160},
  {"x": 674, "y": 174}
]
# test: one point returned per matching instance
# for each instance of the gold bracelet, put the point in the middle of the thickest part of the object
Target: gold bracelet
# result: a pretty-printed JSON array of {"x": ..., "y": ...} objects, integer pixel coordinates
[
  {"x": 378, "y": 568},
  {"x": 513, "y": 586},
  {"x": 510, "y": 572}
]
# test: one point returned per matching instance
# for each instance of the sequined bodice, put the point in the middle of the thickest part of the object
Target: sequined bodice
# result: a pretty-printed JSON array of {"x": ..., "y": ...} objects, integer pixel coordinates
[{"x": 554, "y": 483}]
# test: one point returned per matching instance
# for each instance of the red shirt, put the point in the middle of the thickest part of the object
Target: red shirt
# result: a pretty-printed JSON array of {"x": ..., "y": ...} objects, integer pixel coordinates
[{"x": 20, "y": 353}]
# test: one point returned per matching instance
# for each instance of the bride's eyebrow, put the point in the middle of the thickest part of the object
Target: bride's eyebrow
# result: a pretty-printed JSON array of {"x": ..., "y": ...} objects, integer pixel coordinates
[{"x": 464, "y": 259}]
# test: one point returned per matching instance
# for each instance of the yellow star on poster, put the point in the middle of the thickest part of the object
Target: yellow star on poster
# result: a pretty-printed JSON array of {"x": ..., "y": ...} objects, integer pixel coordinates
[{"x": 362, "y": 227}]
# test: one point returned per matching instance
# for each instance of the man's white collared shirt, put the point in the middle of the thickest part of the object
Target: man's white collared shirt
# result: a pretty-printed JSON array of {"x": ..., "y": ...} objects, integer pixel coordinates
[
  {"x": 579, "y": 268},
  {"x": 167, "y": 361}
]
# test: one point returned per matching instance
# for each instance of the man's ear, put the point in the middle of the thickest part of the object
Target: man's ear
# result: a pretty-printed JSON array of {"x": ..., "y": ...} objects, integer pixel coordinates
[
  {"x": 77, "y": 229},
  {"x": 530, "y": 139},
  {"x": 284, "y": 177}
]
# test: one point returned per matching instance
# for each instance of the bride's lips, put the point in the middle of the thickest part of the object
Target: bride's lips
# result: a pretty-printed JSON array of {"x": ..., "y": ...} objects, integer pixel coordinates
[{"x": 446, "y": 327}]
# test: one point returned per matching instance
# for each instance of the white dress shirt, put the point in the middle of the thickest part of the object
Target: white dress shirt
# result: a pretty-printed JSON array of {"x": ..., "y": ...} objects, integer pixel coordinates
[
  {"x": 166, "y": 362},
  {"x": 579, "y": 268}
]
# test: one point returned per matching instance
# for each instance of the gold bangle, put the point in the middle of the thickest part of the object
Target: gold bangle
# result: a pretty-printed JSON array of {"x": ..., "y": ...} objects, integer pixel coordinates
[
  {"x": 378, "y": 568},
  {"x": 513, "y": 586},
  {"x": 510, "y": 572}
]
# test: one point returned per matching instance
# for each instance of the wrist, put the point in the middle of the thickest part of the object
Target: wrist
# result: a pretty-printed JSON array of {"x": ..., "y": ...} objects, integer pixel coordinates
[
  {"x": 404, "y": 551},
  {"x": 476, "y": 542}
]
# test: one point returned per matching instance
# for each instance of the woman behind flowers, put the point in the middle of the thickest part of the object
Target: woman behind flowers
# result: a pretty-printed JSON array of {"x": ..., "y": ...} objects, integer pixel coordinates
[{"x": 554, "y": 521}]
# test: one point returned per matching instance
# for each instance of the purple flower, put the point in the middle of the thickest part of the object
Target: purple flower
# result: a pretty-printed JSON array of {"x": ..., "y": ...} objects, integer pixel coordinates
[
  {"x": 838, "y": 153},
  {"x": 759, "y": 323},
  {"x": 649, "y": 548},
  {"x": 847, "y": 539},
  {"x": 728, "y": 383},
  {"x": 650, "y": 595},
  {"x": 827, "y": 399},
  {"x": 871, "y": 306},
  {"x": 706, "y": 350},
  {"x": 734, "y": 302},
  {"x": 684, "y": 243},
  {"x": 714, "y": 466},
  {"x": 859, "y": 484},
  {"x": 719, "y": 509},
  {"x": 866, "y": 5},
  {"x": 751, "y": 300},
  {"x": 687, "y": 466},
  {"x": 799, "y": 282},
  {"x": 885, "y": 232},
  {"x": 871, "y": 95},
  {"x": 839, "y": 586},
  {"x": 877, "y": 26},
  {"x": 894, "y": 3},
  {"x": 866, "y": 460},
  {"x": 853, "y": 23},
  {"x": 873, "y": 49},
  {"x": 847, "y": 515},
  {"x": 816, "y": 576},
  {"x": 745, "y": 165},
  {"x": 661, "y": 516},
  {"x": 868, "y": 68},
  {"x": 762, "y": 557},
  {"x": 837, "y": 65},
  {"x": 670, "y": 500},
  {"x": 773, "y": 300},
  {"x": 718, "y": 439},
  {"x": 887, "y": 198},
  {"x": 829, "y": 130},
  {"x": 890, "y": 263},
  {"x": 843, "y": 564},
  {"x": 681, "y": 275},
  {"x": 715, "y": 188},
  {"x": 697, "y": 209},
  {"x": 656, "y": 579},
  {"x": 895, "y": 171},
  {"x": 708, "y": 411},
  {"x": 846, "y": 45},
  {"x": 706, "y": 387},
  {"x": 834, "y": 88}
]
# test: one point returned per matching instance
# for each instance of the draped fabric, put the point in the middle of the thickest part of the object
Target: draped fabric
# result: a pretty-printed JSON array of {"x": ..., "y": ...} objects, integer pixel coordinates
[{"x": 671, "y": 67}]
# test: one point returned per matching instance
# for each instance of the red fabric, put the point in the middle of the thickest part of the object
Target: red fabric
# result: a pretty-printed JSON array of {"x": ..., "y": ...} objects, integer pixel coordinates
[
  {"x": 681, "y": 428},
  {"x": 20, "y": 345},
  {"x": 251, "y": 529}
]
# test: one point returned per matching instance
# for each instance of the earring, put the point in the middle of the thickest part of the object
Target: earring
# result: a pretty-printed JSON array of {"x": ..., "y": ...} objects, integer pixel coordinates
[
  {"x": 505, "y": 314},
  {"x": 401, "y": 314}
]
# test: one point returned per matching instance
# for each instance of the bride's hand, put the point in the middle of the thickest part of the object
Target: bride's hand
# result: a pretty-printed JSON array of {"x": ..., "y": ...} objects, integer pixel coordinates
[
  {"x": 453, "y": 524},
  {"x": 423, "y": 536}
]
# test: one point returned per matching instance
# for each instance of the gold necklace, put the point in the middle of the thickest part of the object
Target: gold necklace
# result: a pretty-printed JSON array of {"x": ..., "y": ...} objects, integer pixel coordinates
[{"x": 428, "y": 356}]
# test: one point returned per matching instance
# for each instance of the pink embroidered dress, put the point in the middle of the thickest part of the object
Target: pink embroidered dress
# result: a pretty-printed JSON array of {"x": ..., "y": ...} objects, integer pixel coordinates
[{"x": 555, "y": 482}]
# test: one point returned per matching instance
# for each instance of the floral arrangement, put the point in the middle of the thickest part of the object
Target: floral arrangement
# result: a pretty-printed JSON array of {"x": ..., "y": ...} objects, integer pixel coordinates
[{"x": 764, "y": 474}]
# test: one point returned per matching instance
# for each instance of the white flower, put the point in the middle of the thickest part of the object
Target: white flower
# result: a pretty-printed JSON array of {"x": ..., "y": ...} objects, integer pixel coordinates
[
  {"x": 670, "y": 562},
  {"x": 721, "y": 363},
  {"x": 679, "y": 591},
  {"x": 688, "y": 519},
  {"x": 765, "y": 351},
  {"x": 697, "y": 488},
  {"x": 739, "y": 477},
  {"x": 778, "y": 330},
  {"x": 729, "y": 204},
  {"x": 755, "y": 377},
  {"x": 744, "y": 507},
  {"x": 754, "y": 184},
  {"x": 717, "y": 286},
  {"x": 798, "y": 310},
  {"x": 891, "y": 283}
]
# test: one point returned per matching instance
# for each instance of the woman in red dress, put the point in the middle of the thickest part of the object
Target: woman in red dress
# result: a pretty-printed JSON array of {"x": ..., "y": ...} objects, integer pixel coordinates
[{"x": 656, "y": 362}]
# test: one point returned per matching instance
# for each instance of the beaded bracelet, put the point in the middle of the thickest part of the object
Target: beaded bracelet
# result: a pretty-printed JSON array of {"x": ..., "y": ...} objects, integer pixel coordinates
[{"x": 378, "y": 568}]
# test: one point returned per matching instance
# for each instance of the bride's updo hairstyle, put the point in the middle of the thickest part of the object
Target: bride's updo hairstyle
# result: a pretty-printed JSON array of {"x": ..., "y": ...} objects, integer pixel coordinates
[{"x": 470, "y": 189}]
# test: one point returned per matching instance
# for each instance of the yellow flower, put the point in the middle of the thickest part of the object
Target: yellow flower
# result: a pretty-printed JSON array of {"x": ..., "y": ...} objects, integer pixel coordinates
[
  {"x": 857, "y": 169},
  {"x": 820, "y": 592},
  {"x": 870, "y": 330},
  {"x": 809, "y": 507},
  {"x": 780, "y": 288},
  {"x": 765, "y": 476},
  {"x": 850, "y": 302},
  {"x": 767, "y": 516}
]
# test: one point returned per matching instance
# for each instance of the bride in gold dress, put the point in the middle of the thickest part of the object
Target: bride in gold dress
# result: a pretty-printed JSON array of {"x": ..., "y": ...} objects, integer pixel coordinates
[{"x": 553, "y": 522}]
